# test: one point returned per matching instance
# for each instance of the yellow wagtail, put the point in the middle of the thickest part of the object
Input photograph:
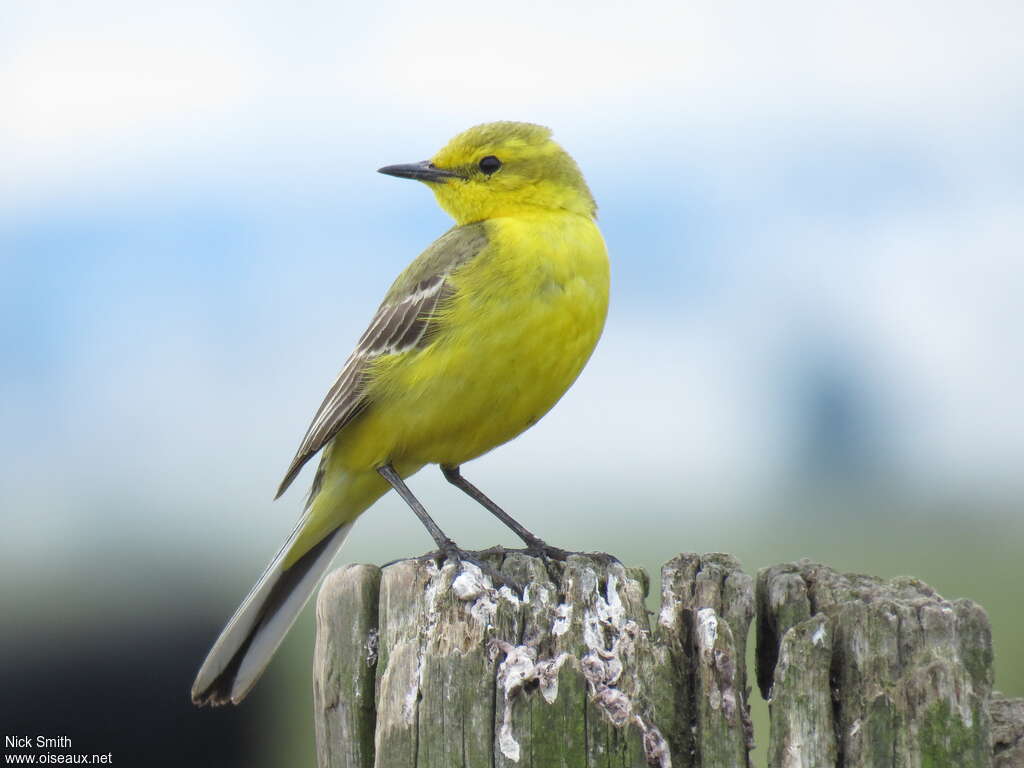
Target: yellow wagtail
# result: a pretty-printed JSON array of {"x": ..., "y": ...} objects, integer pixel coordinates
[{"x": 476, "y": 340}]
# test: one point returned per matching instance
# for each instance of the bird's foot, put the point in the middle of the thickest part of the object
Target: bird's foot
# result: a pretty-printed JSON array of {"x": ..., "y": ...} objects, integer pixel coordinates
[
  {"x": 602, "y": 557},
  {"x": 546, "y": 552},
  {"x": 553, "y": 557},
  {"x": 451, "y": 552}
]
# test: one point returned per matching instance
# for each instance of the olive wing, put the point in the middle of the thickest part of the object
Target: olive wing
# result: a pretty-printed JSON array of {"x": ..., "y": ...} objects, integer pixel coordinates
[{"x": 402, "y": 322}]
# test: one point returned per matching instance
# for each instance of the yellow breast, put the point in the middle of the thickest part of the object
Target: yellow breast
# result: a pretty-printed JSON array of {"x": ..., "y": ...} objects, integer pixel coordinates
[{"x": 524, "y": 318}]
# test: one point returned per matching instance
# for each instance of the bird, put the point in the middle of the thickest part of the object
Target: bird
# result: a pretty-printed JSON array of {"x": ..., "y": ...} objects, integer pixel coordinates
[{"x": 475, "y": 341}]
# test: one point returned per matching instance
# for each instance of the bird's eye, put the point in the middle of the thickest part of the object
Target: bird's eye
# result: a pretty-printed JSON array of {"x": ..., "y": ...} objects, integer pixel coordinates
[{"x": 490, "y": 164}]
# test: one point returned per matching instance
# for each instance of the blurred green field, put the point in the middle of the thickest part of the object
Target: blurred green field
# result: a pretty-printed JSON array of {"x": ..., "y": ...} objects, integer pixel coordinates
[{"x": 128, "y": 628}]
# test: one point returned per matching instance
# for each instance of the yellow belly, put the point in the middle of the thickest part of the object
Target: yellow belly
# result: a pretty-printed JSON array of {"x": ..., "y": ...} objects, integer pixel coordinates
[{"x": 524, "y": 319}]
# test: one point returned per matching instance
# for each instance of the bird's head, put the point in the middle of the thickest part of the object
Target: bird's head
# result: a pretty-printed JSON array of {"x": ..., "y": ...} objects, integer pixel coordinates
[{"x": 502, "y": 169}]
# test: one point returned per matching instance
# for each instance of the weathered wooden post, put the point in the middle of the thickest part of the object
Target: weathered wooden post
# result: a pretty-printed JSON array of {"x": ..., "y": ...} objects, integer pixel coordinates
[
  {"x": 864, "y": 672},
  {"x": 419, "y": 666},
  {"x": 1007, "y": 732}
]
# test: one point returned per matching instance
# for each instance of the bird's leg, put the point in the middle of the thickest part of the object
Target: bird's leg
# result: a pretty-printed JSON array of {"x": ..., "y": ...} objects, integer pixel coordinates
[
  {"x": 534, "y": 544},
  {"x": 445, "y": 545}
]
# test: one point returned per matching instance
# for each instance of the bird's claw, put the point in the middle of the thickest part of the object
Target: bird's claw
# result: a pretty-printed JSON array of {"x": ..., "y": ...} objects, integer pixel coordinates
[
  {"x": 547, "y": 552},
  {"x": 451, "y": 552}
]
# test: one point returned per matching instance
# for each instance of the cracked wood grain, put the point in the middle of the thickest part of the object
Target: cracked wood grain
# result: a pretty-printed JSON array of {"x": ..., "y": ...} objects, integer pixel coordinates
[
  {"x": 419, "y": 665},
  {"x": 909, "y": 673}
]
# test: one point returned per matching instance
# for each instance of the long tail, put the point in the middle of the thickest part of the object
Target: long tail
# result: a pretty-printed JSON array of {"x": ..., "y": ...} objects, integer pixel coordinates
[{"x": 253, "y": 634}]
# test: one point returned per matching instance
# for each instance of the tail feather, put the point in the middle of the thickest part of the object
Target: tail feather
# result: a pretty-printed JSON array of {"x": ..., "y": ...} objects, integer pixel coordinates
[{"x": 253, "y": 634}]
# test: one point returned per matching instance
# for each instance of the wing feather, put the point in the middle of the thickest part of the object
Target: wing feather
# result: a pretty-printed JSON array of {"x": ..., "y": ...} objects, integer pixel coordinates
[{"x": 402, "y": 322}]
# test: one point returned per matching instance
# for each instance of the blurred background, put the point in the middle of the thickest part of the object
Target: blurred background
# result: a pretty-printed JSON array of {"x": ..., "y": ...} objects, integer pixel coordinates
[{"x": 815, "y": 213}]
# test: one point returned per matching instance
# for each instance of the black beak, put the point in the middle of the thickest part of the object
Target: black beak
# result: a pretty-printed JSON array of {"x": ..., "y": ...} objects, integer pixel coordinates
[{"x": 425, "y": 171}]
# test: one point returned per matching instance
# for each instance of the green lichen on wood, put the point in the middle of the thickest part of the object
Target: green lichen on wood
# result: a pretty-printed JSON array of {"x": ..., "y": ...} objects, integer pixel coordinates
[
  {"x": 602, "y": 614},
  {"x": 947, "y": 741},
  {"x": 572, "y": 673},
  {"x": 598, "y": 687},
  {"x": 346, "y": 657},
  {"x": 706, "y": 716},
  {"x": 403, "y": 613},
  {"x": 1007, "y": 716},
  {"x": 910, "y": 673},
  {"x": 801, "y": 705},
  {"x": 540, "y": 734},
  {"x": 782, "y": 603}
]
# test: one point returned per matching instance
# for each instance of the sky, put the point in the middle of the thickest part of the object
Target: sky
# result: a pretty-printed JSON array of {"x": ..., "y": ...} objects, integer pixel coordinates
[
  {"x": 194, "y": 234},
  {"x": 815, "y": 215}
]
